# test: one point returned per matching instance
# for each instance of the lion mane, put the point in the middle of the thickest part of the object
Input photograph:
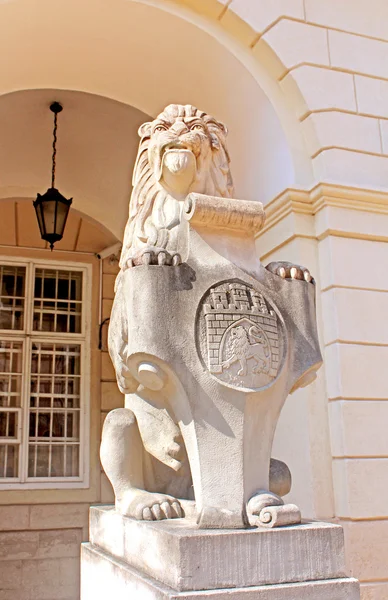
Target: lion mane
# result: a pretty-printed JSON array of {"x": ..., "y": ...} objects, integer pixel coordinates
[
  {"x": 239, "y": 343},
  {"x": 146, "y": 223}
]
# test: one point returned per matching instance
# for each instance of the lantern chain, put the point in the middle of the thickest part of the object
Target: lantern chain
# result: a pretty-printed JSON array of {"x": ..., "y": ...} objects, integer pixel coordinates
[
  {"x": 52, "y": 208},
  {"x": 54, "y": 149}
]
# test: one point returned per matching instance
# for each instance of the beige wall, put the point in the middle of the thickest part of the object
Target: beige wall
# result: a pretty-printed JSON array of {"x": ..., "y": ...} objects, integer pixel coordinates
[{"x": 333, "y": 433}]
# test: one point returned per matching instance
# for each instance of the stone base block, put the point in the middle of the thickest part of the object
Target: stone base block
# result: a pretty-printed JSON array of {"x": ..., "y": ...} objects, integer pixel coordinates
[
  {"x": 131, "y": 560},
  {"x": 103, "y": 577}
]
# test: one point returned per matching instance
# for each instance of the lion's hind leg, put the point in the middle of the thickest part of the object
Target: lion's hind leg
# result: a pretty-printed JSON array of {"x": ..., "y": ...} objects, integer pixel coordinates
[
  {"x": 260, "y": 367},
  {"x": 243, "y": 364},
  {"x": 122, "y": 453}
]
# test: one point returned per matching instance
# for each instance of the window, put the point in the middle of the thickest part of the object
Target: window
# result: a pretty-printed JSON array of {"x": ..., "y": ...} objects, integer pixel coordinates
[{"x": 43, "y": 368}]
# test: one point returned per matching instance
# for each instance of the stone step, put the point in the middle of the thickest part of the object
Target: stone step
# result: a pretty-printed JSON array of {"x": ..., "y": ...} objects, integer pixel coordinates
[
  {"x": 178, "y": 554},
  {"x": 103, "y": 576}
]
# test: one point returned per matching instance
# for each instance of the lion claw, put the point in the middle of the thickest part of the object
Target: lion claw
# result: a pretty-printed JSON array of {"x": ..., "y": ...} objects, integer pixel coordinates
[
  {"x": 287, "y": 270},
  {"x": 153, "y": 256}
]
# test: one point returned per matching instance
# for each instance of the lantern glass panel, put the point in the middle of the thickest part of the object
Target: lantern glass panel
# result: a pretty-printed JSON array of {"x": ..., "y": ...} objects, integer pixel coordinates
[
  {"x": 39, "y": 215},
  {"x": 62, "y": 211},
  {"x": 49, "y": 210}
]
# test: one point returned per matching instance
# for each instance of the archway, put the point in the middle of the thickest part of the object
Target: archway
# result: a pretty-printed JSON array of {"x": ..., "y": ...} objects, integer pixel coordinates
[{"x": 134, "y": 57}]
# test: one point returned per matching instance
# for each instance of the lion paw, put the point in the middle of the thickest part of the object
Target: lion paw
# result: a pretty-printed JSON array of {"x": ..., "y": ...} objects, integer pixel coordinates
[
  {"x": 147, "y": 506},
  {"x": 288, "y": 270},
  {"x": 153, "y": 256}
]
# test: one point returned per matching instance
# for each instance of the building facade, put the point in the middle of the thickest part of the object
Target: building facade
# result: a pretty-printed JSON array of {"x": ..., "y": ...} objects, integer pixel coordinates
[{"x": 303, "y": 88}]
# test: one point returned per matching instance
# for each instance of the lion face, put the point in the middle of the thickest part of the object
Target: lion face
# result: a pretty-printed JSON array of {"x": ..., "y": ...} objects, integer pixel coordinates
[
  {"x": 239, "y": 337},
  {"x": 238, "y": 333},
  {"x": 182, "y": 141},
  {"x": 238, "y": 341}
]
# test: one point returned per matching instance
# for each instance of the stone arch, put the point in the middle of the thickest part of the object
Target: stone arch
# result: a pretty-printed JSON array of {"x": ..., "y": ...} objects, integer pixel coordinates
[{"x": 103, "y": 60}]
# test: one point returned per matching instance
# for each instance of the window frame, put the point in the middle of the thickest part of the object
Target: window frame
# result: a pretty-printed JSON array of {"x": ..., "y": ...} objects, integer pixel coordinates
[{"x": 27, "y": 335}]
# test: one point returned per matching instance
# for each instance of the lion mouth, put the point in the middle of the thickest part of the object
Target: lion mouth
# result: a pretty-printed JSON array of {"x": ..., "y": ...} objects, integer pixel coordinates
[
  {"x": 174, "y": 146},
  {"x": 177, "y": 159}
]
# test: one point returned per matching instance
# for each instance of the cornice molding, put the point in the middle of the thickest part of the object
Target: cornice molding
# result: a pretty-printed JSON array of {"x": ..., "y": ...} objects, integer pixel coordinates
[{"x": 310, "y": 202}]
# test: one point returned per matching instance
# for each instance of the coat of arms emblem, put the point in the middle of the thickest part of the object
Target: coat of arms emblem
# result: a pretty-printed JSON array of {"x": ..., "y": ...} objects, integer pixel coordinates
[{"x": 242, "y": 336}]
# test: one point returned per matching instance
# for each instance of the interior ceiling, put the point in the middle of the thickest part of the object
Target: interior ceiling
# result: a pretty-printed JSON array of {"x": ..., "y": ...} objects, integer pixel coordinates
[{"x": 96, "y": 150}]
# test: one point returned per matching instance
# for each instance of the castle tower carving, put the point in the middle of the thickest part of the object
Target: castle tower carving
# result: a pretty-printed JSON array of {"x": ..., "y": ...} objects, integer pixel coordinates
[{"x": 234, "y": 311}]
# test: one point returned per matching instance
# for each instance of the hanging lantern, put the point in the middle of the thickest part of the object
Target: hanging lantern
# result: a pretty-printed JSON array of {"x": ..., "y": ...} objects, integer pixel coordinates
[{"x": 52, "y": 208}]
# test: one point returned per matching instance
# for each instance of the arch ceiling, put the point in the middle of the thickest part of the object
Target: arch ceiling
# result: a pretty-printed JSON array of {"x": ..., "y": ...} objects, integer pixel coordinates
[
  {"x": 96, "y": 149},
  {"x": 111, "y": 64},
  {"x": 18, "y": 228}
]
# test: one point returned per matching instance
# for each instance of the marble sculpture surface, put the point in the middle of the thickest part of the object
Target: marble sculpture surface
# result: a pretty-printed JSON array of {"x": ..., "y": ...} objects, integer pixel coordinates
[{"x": 207, "y": 343}]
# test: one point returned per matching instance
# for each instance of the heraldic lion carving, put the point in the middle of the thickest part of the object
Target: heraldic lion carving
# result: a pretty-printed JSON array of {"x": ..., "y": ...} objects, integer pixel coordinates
[{"x": 240, "y": 350}]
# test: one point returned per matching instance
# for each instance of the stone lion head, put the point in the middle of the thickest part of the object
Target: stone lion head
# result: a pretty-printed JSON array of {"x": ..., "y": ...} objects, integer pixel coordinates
[
  {"x": 239, "y": 333},
  {"x": 238, "y": 340},
  {"x": 182, "y": 151}
]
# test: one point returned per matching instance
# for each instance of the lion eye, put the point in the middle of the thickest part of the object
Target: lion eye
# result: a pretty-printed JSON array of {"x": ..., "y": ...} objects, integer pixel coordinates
[
  {"x": 160, "y": 128},
  {"x": 197, "y": 127}
]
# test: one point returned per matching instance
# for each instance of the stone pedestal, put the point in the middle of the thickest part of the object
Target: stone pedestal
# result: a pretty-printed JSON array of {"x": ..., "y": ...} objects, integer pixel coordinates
[{"x": 166, "y": 560}]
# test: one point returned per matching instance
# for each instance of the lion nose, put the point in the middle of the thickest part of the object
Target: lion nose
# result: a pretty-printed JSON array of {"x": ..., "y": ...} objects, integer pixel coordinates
[{"x": 179, "y": 127}]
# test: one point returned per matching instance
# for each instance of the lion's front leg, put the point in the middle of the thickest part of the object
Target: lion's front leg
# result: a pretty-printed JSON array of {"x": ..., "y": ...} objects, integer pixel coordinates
[
  {"x": 288, "y": 270},
  {"x": 243, "y": 364},
  {"x": 229, "y": 362}
]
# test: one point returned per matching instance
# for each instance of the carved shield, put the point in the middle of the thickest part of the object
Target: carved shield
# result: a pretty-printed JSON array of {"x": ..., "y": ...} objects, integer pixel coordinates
[{"x": 240, "y": 336}]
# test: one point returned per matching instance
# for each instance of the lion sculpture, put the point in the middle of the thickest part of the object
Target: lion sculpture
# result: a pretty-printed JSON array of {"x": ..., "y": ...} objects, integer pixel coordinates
[{"x": 182, "y": 151}]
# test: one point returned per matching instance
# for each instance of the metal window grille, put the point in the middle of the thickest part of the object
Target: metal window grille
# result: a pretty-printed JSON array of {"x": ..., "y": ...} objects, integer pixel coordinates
[
  {"x": 42, "y": 364},
  {"x": 57, "y": 301},
  {"x": 12, "y": 292},
  {"x": 11, "y": 363},
  {"x": 54, "y": 414}
]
